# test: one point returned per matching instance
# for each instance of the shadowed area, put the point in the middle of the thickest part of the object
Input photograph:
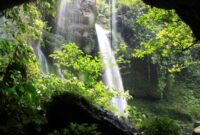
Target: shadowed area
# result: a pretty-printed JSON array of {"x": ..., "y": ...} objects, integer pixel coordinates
[
  {"x": 5, "y": 4},
  {"x": 67, "y": 107}
]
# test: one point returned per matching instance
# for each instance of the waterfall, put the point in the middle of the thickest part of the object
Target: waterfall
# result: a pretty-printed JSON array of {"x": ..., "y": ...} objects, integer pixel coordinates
[
  {"x": 61, "y": 16},
  {"x": 68, "y": 18},
  {"x": 111, "y": 76},
  {"x": 44, "y": 66},
  {"x": 113, "y": 24}
]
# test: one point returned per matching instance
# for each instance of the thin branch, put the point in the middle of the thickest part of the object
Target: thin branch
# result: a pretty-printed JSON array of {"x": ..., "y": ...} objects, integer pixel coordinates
[{"x": 184, "y": 49}]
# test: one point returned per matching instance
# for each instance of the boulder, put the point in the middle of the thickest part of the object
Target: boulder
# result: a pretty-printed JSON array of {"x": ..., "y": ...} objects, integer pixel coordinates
[{"x": 66, "y": 108}]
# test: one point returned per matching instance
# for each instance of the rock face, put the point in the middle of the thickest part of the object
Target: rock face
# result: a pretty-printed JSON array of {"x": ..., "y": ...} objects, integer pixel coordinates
[
  {"x": 85, "y": 36},
  {"x": 75, "y": 21},
  {"x": 187, "y": 10},
  {"x": 66, "y": 108}
]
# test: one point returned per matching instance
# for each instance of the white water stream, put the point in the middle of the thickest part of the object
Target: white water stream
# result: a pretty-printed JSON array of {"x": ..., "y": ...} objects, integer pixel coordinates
[
  {"x": 65, "y": 22},
  {"x": 44, "y": 66},
  {"x": 113, "y": 24},
  {"x": 111, "y": 76},
  {"x": 68, "y": 18}
]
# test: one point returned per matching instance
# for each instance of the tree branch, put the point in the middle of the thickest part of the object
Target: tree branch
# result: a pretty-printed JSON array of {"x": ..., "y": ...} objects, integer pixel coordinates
[{"x": 184, "y": 49}]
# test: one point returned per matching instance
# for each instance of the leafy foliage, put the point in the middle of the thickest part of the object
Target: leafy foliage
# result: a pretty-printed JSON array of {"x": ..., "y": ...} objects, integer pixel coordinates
[
  {"x": 169, "y": 45},
  {"x": 136, "y": 117},
  {"x": 83, "y": 75},
  {"x": 159, "y": 38},
  {"x": 161, "y": 126},
  {"x": 172, "y": 41},
  {"x": 18, "y": 63},
  {"x": 78, "y": 64}
]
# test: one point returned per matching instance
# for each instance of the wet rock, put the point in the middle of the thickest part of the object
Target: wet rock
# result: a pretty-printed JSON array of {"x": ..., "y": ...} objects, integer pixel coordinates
[
  {"x": 88, "y": 8},
  {"x": 79, "y": 21},
  {"x": 65, "y": 108}
]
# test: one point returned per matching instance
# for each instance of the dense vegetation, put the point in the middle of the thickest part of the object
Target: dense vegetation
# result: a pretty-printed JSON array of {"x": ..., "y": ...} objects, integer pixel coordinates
[
  {"x": 154, "y": 36},
  {"x": 159, "y": 40}
]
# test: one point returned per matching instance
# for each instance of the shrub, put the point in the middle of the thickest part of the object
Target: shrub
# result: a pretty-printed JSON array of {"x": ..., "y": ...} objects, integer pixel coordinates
[{"x": 161, "y": 126}]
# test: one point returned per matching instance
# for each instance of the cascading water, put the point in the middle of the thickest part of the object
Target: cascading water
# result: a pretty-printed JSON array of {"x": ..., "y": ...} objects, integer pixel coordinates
[
  {"x": 111, "y": 76},
  {"x": 113, "y": 24},
  {"x": 44, "y": 67},
  {"x": 66, "y": 19},
  {"x": 61, "y": 17}
]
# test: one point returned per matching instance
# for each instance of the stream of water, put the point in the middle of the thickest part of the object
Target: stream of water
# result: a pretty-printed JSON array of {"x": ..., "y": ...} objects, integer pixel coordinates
[
  {"x": 111, "y": 75},
  {"x": 44, "y": 66},
  {"x": 68, "y": 18},
  {"x": 65, "y": 22}
]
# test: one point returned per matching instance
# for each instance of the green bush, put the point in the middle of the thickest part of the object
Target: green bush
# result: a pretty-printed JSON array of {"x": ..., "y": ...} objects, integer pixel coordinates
[{"x": 161, "y": 126}]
